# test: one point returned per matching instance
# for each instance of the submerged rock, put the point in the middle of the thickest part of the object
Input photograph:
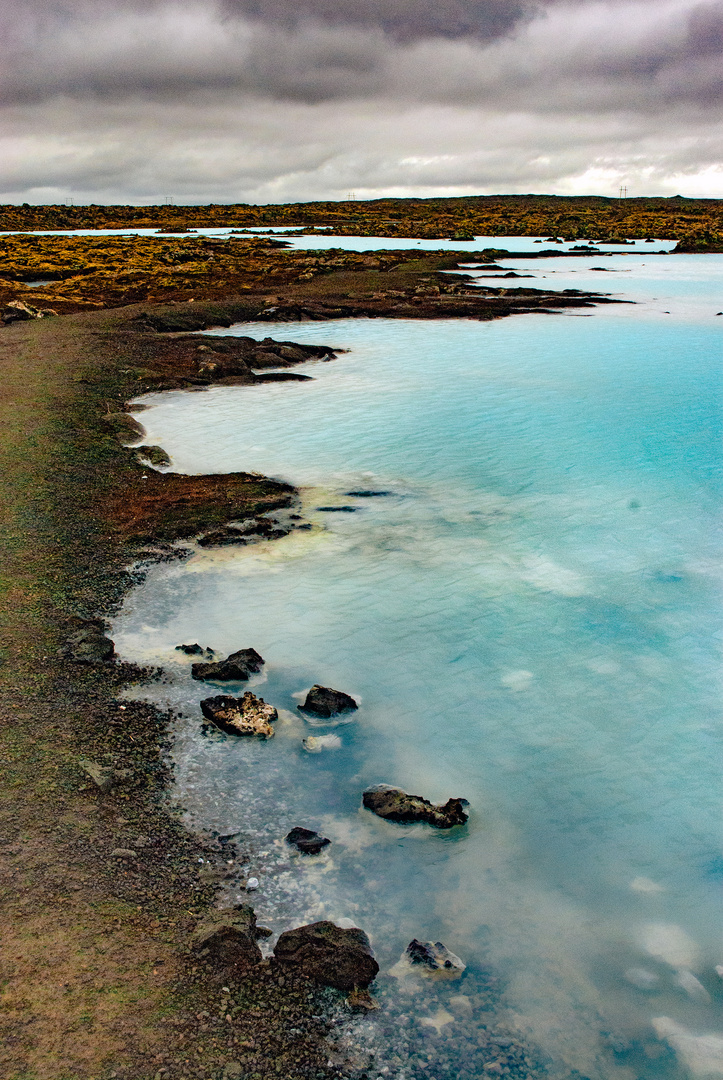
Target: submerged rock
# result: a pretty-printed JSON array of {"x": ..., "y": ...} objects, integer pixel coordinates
[
  {"x": 238, "y": 667},
  {"x": 314, "y": 744},
  {"x": 361, "y": 1001},
  {"x": 324, "y": 702},
  {"x": 306, "y": 841},
  {"x": 434, "y": 959},
  {"x": 88, "y": 643},
  {"x": 247, "y": 715},
  {"x": 395, "y": 805},
  {"x": 228, "y": 939},
  {"x": 329, "y": 955}
]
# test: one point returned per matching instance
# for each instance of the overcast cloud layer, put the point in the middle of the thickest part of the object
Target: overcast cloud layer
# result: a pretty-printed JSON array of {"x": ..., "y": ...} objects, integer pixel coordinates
[{"x": 278, "y": 100}]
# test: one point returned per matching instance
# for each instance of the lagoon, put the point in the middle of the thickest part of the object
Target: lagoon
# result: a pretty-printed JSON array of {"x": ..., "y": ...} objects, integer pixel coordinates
[{"x": 530, "y": 619}]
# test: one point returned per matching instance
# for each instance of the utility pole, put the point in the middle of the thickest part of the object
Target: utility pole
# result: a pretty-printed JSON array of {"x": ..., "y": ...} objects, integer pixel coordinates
[
  {"x": 623, "y": 192},
  {"x": 168, "y": 200}
]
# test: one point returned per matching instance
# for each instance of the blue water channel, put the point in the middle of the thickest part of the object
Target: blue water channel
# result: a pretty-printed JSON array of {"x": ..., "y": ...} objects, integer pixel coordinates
[{"x": 530, "y": 618}]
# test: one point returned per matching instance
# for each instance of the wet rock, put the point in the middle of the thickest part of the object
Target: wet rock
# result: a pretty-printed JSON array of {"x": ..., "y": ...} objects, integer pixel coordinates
[
  {"x": 367, "y": 494},
  {"x": 395, "y": 805},
  {"x": 248, "y": 715},
  {"x": 238, "y": 667},
  {"x": 103, "y": 776},
  {"x": 324, "y": 702},
  {"x": 329, "y": 955},
  {"x": 337, "y": 509},
  {"x": 154, "y": 455},
  {"x": 228, "y": 939},
  {"x": 255, "y": 529},
  {"x": 88, "y": 644},
  {"x": 435, "y": 958},
  {"x": 306, "y": 841},
  {"x": 194, "y": 650}
]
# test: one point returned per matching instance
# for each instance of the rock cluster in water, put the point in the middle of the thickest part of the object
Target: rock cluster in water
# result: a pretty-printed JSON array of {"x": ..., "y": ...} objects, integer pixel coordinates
[
  {"x": 247, "y": 715},
  {"x": 395, "y": 805},
  {"x": 238, "y": 667}
]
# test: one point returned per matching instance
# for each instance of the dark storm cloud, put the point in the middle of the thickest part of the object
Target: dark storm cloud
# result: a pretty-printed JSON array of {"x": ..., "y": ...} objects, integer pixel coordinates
[
  {"x": 403, "y": 20},
  {"x": 272, "y": 99}
]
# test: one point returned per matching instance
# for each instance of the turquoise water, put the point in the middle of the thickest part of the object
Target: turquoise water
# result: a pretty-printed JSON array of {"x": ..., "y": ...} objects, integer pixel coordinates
[{"x": 531, "y": 620}]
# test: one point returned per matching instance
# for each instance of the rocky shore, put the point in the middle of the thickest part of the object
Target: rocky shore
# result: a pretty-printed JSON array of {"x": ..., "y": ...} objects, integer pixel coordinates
[{"x": 83, "y": 822}]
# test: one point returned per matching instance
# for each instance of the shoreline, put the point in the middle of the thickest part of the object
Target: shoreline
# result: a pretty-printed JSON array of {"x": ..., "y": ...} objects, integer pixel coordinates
[{"x": 82, "y": 509}]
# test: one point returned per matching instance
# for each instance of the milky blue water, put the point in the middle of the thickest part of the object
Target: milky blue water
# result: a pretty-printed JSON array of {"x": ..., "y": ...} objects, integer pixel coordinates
[
  {"x": 362, "y": 243},
  {"x": 530, "y": 619}
]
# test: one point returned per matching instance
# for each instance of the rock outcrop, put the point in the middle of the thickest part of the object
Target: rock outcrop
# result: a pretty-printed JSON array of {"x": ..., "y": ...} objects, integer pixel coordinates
[
  {"x": 324, "y": 702},
  {"x": 227, "y": 939},
  {"x": 306, "y": 841},
  {"x": 238, "y": 667},
  {"x": 395, "y": 805},
  {"x": 248, "y": 715},
  {"x": 329, "y": 955}
]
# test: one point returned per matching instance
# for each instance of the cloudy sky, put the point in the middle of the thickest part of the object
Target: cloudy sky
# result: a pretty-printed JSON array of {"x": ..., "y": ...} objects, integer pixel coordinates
[{"x": 284, "y": 100}]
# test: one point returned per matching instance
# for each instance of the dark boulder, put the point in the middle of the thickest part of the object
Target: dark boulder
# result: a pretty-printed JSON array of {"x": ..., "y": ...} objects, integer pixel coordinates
[
  {"x": 227, "y": 939},
  {"x": 325, "y": 702},
  {"x": 395, "y": 805},
  {"x": 328, "y": 955},
  {"x": 306, "y": 841},
  {"x": 238, "y": 667},
  {"x": 247, "y": 715}
]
